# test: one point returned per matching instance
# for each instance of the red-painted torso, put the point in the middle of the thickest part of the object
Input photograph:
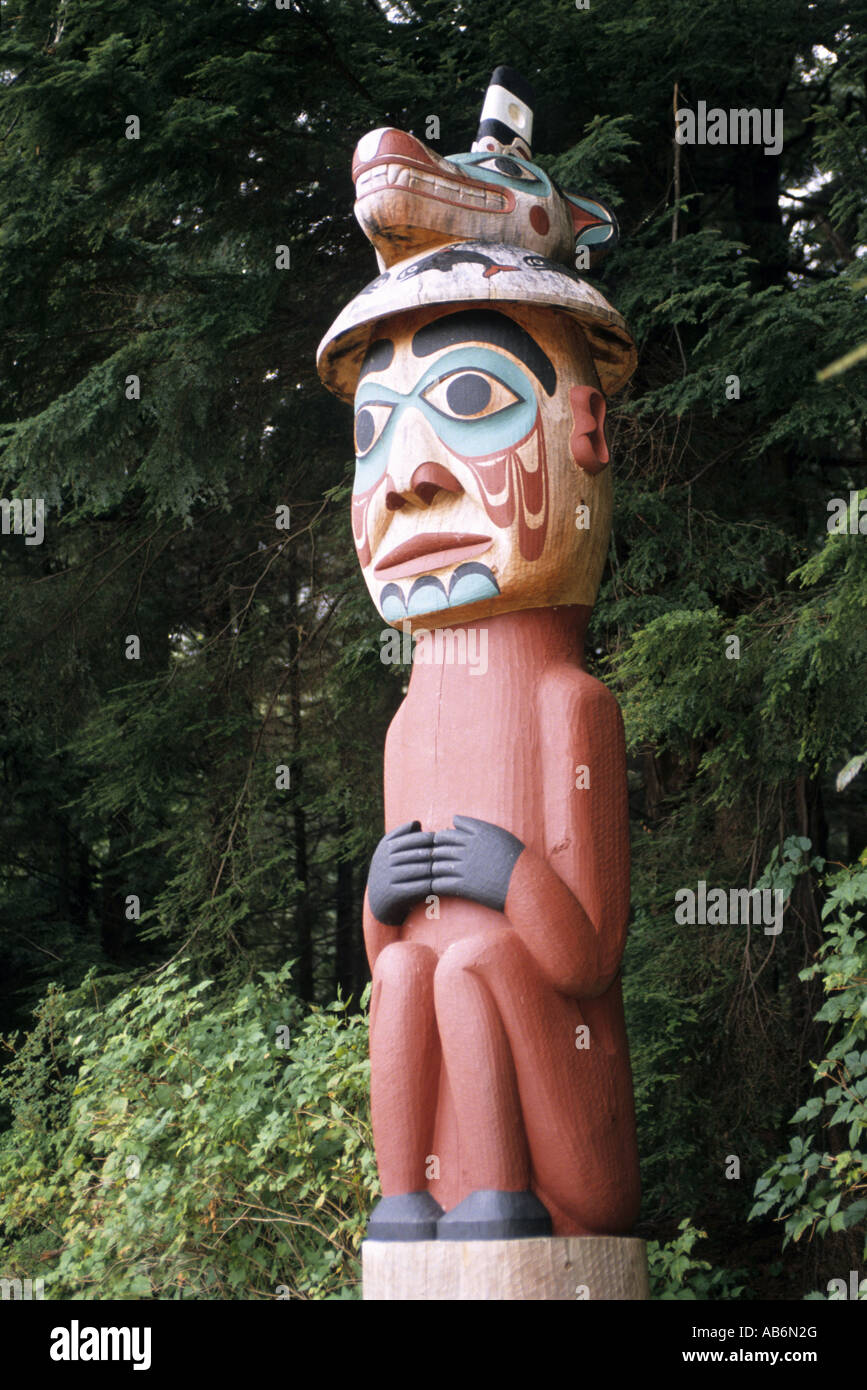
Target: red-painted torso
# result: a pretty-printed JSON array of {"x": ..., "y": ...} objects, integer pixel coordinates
[
  {"x": 518, "y": 988},
  {"x": 467, "y": 743}
]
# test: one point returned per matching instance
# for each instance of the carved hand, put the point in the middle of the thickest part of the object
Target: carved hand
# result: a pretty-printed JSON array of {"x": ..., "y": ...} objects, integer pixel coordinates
[
  {"x": 474, "y": 860},
  {"x": 400, "y": 872}
]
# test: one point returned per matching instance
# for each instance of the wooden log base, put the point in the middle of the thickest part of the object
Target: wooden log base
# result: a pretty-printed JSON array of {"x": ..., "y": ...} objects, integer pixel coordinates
[{"x": 561, "y": 1268}]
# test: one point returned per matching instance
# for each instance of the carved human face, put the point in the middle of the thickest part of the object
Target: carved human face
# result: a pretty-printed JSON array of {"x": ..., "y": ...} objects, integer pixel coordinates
[{"x": 481, "y": 483}]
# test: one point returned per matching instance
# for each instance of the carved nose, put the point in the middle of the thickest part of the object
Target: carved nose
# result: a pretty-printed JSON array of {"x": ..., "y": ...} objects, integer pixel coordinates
[
  {"x": 427, "y": 480},
  {"x": 378, "y": 145}
]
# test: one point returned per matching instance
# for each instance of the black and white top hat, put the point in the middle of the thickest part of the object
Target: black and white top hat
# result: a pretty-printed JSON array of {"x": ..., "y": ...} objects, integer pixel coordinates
[{"x": 507, "y": 114}]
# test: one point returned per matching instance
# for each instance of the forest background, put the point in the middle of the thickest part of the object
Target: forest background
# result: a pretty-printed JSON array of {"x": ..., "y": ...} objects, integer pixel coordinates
[{"x": 183, "y": 1076}]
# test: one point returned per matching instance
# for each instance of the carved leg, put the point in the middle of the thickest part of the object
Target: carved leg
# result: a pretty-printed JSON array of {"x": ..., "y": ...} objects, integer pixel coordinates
[
  {"x": 478, "y": 1060},
  {"x": 533, "y": 1110},
  {"x": 495, "y": 1158},
  {"x": 405, "y": 1062}
]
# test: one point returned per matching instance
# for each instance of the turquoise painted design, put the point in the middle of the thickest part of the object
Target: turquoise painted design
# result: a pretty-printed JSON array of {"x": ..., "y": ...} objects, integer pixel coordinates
[
  {"x": 427, "y": 595},
  {"x": 393, "y": 605},
  {"x": 471, "y": 588},
  {"x": 484, "y": 167},
  {"x": 378, "y": 409},
  {"x": 470, "y": 583},
  {"x": 592, "y": 236}
]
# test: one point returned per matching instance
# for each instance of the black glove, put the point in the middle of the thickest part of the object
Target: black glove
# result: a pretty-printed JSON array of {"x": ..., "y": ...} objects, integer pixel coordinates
[
  {"x": 475, "y": 861},
  {"x": 400, "y": 872}
]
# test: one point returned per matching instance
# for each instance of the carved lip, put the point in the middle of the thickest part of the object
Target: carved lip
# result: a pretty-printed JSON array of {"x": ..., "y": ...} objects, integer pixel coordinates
[
  {"x": 410, "y": 175},
  {"x": 415, "y": 555}
]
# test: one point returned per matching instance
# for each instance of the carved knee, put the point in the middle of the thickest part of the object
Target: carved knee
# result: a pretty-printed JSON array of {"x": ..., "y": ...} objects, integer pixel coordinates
[
  {"x": 482, "y": 954},
  {"x": 403, "y": 965}
]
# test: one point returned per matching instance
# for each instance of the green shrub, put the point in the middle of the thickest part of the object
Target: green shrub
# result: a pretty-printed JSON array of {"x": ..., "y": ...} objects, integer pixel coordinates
[
  {"x": 819, "y": 1186},
  {"x": 675, "y": 1274},
  {"x": 164, "y": 1144}
]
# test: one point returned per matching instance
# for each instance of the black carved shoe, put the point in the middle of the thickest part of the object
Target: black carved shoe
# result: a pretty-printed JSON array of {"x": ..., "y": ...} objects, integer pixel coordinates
[
  {"x": 409, "y": 1216},
  {"x": 489, "y": 1215}
]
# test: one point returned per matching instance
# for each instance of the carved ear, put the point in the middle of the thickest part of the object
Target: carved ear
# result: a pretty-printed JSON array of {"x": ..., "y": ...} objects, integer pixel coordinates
[
  {"x": 594, "y": 227},
  {"x": 587, "y": 441}
]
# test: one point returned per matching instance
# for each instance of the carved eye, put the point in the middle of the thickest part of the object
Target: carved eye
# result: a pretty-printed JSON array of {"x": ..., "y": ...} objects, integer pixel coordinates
[
  {"x": 470, "y": 395},
  {"x": 502, "y": 164},
  {"x": 370, "y": 420}
]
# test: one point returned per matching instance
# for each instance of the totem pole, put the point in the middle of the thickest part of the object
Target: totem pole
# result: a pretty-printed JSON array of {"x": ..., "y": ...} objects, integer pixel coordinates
[{"x": 479, "y": 362}]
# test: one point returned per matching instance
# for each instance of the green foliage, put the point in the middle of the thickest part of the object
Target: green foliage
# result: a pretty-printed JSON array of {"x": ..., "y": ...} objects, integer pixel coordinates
[
  {"x": 674, "y": 1274},
  {"x": 819, "y": 1186},
  {"x": 590, "y": 164},
  {"x": 164, "y": 1144}
]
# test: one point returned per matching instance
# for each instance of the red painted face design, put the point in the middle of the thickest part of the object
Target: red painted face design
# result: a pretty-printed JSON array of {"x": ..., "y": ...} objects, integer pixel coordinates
[
  {"x": 483, "y": 453},
  {"x": 514, "y": 484},
  {"x": 360, "y": 504}
]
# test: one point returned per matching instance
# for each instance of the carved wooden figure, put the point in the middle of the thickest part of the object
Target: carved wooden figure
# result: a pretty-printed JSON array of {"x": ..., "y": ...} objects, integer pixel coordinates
[{"x": 497, "y": 900}]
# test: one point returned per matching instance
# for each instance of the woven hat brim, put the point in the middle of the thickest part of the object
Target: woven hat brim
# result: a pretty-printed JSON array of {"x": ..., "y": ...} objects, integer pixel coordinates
[{"x": 465, "y": 273}]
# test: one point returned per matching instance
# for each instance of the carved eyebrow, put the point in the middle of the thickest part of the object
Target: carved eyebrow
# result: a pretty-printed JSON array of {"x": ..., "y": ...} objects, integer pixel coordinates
[
  {"x": 377, "y": 357},
  {"x": 486, "y": 326}
]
